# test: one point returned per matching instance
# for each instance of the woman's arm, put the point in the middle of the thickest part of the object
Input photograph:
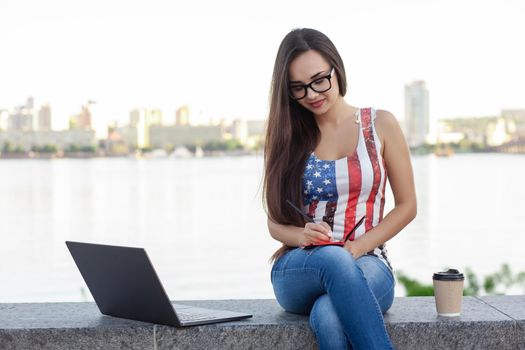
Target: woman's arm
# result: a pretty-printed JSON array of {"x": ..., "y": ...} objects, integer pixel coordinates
[
  {"x": 294, "y": 236},
  {"x": 401, "y": 178}
]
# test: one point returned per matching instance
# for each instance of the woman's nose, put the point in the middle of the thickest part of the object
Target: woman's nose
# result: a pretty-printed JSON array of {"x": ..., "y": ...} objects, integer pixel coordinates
[{"x": 311, "y": 94}]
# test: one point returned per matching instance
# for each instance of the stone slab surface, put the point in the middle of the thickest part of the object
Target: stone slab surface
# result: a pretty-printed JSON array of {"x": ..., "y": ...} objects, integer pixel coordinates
[
  {"x": 485, "y": 323},
  {"x": 81, "y": 338},
  {"x": 269, "y": 328},
  {"x": 69, "y": 326},
  {"x": 413, "y": 323},
  {"x": 514, "y": 307}
]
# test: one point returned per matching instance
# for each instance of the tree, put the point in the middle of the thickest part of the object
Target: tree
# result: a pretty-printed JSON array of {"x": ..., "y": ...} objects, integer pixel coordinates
[
  {"x": 499, "y": 282},
  {"x": 8, "y": 147}
]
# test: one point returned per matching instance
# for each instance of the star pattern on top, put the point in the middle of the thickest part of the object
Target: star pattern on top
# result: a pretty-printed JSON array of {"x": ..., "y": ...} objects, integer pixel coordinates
[{"x": 319, "y": 180}]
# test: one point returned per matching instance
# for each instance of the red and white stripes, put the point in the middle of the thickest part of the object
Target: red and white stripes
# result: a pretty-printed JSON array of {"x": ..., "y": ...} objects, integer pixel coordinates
[{"x": 360, "y": 184}]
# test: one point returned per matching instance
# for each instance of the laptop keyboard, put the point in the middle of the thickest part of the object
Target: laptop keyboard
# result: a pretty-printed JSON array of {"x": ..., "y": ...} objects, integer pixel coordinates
[{"x": 194, "y": 317}]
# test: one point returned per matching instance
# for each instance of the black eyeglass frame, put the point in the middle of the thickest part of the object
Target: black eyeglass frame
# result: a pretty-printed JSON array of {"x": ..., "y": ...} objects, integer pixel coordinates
[{"x": 310, "y": 85}]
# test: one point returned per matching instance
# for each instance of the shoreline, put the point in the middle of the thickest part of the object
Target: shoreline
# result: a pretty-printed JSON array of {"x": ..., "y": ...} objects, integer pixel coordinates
[{"x": 147, "y": 155}]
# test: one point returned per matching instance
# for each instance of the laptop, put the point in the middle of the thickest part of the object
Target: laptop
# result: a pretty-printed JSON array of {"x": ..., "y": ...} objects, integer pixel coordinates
[{"x": 124, "y": 284}]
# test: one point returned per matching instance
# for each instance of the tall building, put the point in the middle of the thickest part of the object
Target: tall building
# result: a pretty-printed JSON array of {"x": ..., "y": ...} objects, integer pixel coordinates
[
  {"x": 142, "y": 119},
  {"x": 44, "y": 118},
  {"x": 22, "y": 117},
  {"x": 182, "y": 116},
  {"x": 82, "y": 121},
  {"x": 416, "y": 113}
]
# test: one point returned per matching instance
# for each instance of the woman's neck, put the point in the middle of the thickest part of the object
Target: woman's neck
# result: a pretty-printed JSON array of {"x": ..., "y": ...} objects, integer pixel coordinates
[{"x": 336, "y": 115}]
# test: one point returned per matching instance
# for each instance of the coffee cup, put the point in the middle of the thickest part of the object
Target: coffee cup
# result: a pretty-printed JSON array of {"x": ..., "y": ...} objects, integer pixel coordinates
[{"x": 448, "y": 292}]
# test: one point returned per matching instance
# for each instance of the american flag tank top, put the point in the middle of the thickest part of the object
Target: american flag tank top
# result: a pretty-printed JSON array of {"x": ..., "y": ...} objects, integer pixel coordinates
[{"x": 341, "y": 191}]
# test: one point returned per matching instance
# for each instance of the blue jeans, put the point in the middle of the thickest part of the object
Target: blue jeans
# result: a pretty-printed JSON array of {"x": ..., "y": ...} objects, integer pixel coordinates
[{"x": 345, "y": 297}]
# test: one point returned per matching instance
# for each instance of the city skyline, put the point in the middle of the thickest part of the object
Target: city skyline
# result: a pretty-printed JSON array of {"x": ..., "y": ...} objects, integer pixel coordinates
[
  {"x": 25, "y": 132},
  {"x": 163, "y": 55},
  {"x": 186, "y": 115}
]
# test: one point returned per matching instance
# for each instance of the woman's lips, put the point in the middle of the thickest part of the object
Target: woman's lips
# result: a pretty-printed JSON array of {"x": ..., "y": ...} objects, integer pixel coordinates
[{"x": 317, "y": 104}]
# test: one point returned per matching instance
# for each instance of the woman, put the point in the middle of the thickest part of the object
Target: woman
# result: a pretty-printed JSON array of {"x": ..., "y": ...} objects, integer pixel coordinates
[{"x": 332, "y": 160}]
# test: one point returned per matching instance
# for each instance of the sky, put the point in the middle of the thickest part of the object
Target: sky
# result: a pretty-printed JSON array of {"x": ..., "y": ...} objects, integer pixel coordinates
[{"x": 217, "y": 56}]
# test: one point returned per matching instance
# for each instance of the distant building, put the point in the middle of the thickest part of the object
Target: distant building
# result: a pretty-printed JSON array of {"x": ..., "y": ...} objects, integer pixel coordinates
[
  {"x": 82, "y": 121},
  {"x": 4, "y": 117},
  {"x": 44, "y": 118},
  {"x": 142, "y": 119},
  {"x": 21, "y": 119},
  {"x": 517, "y": 116},
  {"x": 61, "y": 139},
  {"x": 491, "y": 131},
  {"x": 447, "y": 132},
  {"x": 174, "y": 136},
  {"x": 240, "y": 131},
  {"x": 416, "y": 113},
  {"x": 256, "y": 127},
  {"x": 472, "y": 129},
  {"x": 182, "y": 116},
  {"x": 147, "y": 115},
  {"x": 122, "y": 139},
  {"x": 498, "y": 132}
]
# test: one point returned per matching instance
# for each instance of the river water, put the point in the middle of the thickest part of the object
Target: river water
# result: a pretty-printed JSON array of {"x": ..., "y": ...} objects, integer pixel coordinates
[{"x": 204, "y": 228}]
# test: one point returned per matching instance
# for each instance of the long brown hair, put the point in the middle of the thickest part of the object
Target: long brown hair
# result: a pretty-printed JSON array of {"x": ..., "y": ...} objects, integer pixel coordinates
[{"x": 291, "y": 131}]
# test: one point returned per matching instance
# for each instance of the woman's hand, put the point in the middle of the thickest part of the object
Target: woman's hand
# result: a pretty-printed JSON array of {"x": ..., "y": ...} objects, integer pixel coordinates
[
  {"x": 354, "y": 248},
  {"x": 315, "y": 233}
]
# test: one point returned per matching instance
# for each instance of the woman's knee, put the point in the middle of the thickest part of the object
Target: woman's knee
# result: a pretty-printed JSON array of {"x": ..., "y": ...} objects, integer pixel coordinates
[
  {"x": 334, "y": 260},
  {"x": 380, "y": 280},
  {"x": 385, "y": 301}
]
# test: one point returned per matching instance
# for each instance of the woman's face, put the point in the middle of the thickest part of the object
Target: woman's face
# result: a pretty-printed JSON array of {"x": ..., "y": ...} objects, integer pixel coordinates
[{"x": 306, "y": 68}]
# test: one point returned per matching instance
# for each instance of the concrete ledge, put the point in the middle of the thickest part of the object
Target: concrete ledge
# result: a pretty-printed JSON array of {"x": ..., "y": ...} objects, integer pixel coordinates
[{"x": 486, "y": 323}]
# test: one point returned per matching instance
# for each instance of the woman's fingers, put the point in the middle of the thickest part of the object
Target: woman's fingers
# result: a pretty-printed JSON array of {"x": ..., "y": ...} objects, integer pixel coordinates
[
  {"x": 322, "y": 227},
  {"x": 327, "y": 228},
  {"x": 318, "y": 236},
  {"x": 317, "y": 232}
]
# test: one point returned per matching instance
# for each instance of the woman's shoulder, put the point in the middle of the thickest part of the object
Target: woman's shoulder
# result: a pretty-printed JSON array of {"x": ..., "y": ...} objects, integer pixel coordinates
[
  {"x": 386, "y": 124},
  {"x": 385, "y": 119},
  {"x": 383, "y": 116}
]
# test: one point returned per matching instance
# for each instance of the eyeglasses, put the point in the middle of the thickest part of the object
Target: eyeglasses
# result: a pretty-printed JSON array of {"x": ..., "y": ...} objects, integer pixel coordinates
[{"x": 322, "y": 84}]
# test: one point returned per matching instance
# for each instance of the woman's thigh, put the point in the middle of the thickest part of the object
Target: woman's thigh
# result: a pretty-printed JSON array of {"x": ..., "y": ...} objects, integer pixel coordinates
[
  {"x": 297, "y": 280},
  {"x": 295, "y": 285},
  {"x": 379, "y": 278}
]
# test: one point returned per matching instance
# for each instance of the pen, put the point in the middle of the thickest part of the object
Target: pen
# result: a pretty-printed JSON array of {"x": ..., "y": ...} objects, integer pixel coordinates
[
  {"x": 306, "y": 217},
  {"x": 309, "y": 219},
  {"x": 355, "y": 228}
]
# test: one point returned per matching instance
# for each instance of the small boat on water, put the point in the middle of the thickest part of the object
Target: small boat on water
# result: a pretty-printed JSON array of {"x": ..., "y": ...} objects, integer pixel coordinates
[
  {"x": 199, "y": 153},
  {"x": 181, "y": 152},
  {"x": 443, "y": 150}
]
